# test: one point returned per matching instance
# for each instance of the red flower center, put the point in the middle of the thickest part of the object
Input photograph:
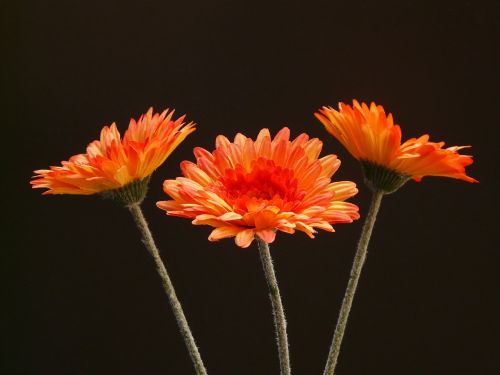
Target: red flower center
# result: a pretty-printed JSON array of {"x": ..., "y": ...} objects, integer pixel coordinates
[{"x": 265, "y": 184}]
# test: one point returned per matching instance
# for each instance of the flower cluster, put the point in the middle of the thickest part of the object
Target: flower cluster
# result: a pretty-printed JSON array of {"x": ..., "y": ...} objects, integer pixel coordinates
[{"x": 248, "y": 188}]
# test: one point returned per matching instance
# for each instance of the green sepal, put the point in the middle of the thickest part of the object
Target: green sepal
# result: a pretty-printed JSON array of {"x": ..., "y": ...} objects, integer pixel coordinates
[
  {"x": 381, "y": 178},
  {"x": 132, "y": 193}
]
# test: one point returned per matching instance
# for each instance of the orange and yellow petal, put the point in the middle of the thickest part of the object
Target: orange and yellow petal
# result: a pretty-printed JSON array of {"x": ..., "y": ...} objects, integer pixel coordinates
[
  {"x": 372, "y": 137},
  {"x": 253, "y": 188},
  {"x": 111, "y": 162}
]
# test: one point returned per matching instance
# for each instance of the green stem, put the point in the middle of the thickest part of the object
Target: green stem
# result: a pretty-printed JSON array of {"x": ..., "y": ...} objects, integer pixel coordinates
[
  {"x": 359, "y": 260},
  {"x": 278, "y": 312},
  {"x": 148, "y": 241}
]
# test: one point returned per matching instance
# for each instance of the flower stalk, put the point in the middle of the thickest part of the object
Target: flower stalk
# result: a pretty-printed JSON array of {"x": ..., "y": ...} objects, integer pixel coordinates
[
  {"x": 278, "y": 311},
  {"x": 359, "y": 260},
  {"x": 148, "y": 241}
]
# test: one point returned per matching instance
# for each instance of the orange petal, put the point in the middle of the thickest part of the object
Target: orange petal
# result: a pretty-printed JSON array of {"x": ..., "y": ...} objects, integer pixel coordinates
[
  {"x": 223, "y": 232},
  {"x": 244, "y": 238}
]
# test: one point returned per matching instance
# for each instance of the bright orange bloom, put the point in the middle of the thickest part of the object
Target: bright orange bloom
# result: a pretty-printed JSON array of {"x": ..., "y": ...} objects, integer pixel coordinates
[
  {"x": 371, "y": 136},
  {"x": 254, "y": 188},
  {"x": 111, "y": 163}
]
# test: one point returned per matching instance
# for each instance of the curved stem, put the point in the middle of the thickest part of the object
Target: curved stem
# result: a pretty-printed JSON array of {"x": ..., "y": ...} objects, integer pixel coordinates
[
  {"x": 278, "y": 312},
  {"x": 148, "y": 241},
  {"x": 359, "y": 260}
]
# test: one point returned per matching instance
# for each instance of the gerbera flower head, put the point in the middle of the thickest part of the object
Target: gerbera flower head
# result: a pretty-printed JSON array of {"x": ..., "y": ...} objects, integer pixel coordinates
[
  {"x": 372, "y": 137},
  {"x": 248, "y": 188},
  {"x": 119, "y": 168}
]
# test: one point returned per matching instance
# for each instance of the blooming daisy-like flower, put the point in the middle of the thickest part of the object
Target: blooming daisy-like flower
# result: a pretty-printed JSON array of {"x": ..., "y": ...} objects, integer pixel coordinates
[
  {"x": 372, "y": 137},
  {"x": 120, "y": 167},
  {"x": 250, "y": 188}
]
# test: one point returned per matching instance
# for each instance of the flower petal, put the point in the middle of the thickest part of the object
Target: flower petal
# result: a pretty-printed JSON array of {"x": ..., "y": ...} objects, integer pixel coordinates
[{"x": 245, "y": 238}]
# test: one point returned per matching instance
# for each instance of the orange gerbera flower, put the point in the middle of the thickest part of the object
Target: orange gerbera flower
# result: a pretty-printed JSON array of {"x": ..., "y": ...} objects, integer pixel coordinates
[
  {"x": 372, "y": 137},
  {"x": 111, "y": 163},
  {"x": 254, "y": 188}
]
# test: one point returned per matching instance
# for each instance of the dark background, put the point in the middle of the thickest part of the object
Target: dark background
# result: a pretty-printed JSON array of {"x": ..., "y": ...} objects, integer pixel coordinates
[{"x": 80, "y": 293}]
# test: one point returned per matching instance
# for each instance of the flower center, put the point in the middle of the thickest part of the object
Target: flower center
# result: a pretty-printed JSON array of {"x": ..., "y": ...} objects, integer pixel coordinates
[{"x": 264, "y": 185}]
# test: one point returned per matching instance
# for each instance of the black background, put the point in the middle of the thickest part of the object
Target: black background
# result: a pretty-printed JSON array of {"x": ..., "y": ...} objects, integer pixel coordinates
[{"x": 81, "y": 295}]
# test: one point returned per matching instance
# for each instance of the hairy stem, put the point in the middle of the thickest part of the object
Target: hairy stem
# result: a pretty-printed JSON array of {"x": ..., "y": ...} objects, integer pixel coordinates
[
  {"x": 359, "y": 260},
  {"x": 278, "y": 312},
  {"x": 148, "y": 241}
]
